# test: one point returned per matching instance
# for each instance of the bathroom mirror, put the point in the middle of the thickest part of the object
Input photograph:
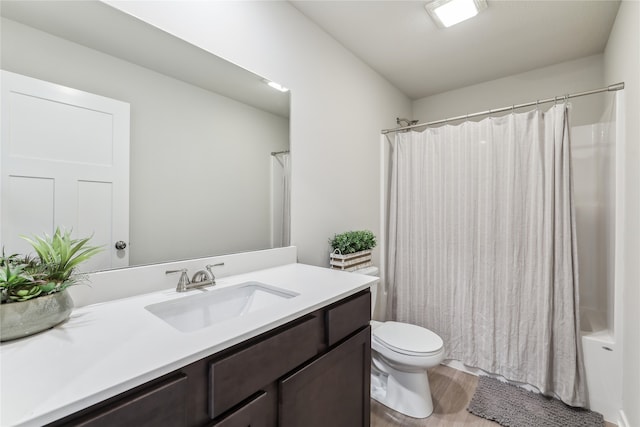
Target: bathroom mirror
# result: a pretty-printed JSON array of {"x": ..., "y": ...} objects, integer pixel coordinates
[{"x": 203, "y": 178}]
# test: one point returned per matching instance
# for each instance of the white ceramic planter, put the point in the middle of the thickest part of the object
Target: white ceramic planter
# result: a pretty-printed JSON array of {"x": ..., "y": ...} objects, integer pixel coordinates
[{"x": 20, "y": 319}]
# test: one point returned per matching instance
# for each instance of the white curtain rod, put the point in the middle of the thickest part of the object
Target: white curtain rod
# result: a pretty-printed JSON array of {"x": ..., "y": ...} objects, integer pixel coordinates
[{"x": 610, "y": 88}]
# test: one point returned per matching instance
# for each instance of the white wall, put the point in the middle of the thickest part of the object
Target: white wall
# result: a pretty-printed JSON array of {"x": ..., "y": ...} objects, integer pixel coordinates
[
  {"x": 559, "y": 79},
  {"x": 338, "y": 106},
  {"x": 200, "y": 162},
  {"x": 622, "y": 63}
]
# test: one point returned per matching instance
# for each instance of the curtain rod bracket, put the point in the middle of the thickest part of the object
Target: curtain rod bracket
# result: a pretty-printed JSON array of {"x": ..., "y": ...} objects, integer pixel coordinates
[{"x": 275, "y": 153}]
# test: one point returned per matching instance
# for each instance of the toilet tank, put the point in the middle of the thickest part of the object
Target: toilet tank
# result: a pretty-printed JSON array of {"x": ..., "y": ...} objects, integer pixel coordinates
[{"x": 371, "y": 271}]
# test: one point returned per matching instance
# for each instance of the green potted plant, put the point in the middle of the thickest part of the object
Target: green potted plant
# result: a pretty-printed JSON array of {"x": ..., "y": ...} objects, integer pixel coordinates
[
  {"x": 352, "y": 250},
  {"x": 33, "y": 289}
]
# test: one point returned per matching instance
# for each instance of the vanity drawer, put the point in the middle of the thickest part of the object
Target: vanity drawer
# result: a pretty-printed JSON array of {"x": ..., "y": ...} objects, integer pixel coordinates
[
  {"x": 253, "y": 414},
  {"x": 238, "y": 376},
  {"x": 162, "y": 404},
  {"x": 345, "y": 318}
]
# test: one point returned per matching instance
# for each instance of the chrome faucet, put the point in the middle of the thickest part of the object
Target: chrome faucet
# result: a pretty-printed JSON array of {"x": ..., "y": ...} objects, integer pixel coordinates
[
  {"x": 200, "y": 279},
  {"x": 205, "y": 277}
]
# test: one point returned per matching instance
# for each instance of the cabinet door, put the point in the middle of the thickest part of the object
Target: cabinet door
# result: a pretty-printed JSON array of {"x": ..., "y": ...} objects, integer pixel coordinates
[
  {"x": 331, "y": 391},
  {"x": 255, "y": 413}
]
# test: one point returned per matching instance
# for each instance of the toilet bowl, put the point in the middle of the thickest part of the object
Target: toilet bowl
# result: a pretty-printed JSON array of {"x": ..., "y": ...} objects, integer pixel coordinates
[{"x": 400, "y": 356}]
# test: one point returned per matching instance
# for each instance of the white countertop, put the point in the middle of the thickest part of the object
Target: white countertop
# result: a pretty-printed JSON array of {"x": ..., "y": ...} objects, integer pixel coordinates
[{"x": 105, "y": 349}]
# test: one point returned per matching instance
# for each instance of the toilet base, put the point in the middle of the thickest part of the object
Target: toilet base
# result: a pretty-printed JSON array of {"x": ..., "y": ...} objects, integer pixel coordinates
[{"x": 405, "y": 392}]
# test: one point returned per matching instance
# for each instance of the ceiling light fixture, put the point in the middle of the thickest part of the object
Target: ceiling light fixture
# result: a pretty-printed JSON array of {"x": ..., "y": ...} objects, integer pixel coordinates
[
  {"x": 450, "y": 12},
  {"x": 277, "y": 86}
]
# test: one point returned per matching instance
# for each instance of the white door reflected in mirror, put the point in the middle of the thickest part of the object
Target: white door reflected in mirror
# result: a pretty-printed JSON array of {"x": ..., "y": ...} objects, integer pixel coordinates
[{"x": 64, "y": 163}]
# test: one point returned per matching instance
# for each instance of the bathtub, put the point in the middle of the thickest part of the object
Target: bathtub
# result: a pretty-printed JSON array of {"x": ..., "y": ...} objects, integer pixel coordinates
[{"x": 602, "y": 358}]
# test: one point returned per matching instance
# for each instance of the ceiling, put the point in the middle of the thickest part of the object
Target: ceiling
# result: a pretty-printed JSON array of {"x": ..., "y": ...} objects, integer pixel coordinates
[
  {"x": 399, "y": 40},
  {"x": 93, "y": 24}
]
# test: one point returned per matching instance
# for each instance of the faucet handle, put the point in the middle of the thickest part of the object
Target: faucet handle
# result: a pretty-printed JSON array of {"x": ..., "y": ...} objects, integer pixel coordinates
[
  {"x": 209, "y": 266},
  {"x": 184, "y": 279}
]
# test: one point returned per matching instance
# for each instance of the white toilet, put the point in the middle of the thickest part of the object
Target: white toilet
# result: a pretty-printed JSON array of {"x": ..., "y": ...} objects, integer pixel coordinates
[{"x": 400, "y": 356}]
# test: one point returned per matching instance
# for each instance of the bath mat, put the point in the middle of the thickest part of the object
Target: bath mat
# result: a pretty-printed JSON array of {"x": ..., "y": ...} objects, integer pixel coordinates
[{"x": 513, "y": 406}]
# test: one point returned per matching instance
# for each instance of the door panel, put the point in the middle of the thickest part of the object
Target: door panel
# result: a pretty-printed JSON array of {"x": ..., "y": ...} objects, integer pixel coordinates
[
  {"x": 50, "y": 130},
  {"x": 33, "y": 208},
  {"x": 95, "y": 204}
]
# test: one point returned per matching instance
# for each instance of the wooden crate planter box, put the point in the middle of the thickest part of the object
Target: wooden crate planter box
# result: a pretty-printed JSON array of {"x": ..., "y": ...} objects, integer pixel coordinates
[{"x": 350, "y": 262}]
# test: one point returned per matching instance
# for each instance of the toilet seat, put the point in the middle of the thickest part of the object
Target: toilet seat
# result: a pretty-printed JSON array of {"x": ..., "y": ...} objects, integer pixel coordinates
[{"x": 411, "y": 340}]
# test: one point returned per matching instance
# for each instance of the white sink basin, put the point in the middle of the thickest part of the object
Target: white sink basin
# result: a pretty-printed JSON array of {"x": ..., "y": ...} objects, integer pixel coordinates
[{"x": 199, "y": 311}]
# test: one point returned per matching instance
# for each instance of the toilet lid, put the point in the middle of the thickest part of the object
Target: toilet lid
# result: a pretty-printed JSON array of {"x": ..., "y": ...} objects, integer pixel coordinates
[{"x": 408, "y": 339}]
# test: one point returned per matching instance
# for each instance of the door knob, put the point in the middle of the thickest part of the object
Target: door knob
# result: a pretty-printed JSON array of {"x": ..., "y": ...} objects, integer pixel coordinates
[{"x": 120, "y": 245}]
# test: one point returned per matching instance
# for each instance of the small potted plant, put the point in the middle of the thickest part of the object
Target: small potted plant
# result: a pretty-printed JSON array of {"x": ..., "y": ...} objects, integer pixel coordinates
[
  {"x": 352, "y": 250},
  {"x": 34, "y": 296}
]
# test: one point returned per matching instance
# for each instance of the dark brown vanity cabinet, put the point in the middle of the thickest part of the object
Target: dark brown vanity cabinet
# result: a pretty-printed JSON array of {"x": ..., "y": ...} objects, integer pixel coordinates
[{"x": 313, "y": 371}]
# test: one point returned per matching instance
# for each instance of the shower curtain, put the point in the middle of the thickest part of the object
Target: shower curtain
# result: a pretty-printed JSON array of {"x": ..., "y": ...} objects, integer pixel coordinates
[
  {"x": 280, "y": 199},
  {"x": 482, "y": 246},
  {"x": 286, "y": 203}
]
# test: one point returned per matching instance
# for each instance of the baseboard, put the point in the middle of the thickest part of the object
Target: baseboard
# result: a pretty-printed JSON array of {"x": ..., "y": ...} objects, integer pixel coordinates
[{"x": 622, "y": 419}]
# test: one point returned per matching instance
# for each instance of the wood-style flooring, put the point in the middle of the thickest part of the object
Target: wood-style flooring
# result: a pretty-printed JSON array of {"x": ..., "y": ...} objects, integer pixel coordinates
[{"x": 451, "y": 391}]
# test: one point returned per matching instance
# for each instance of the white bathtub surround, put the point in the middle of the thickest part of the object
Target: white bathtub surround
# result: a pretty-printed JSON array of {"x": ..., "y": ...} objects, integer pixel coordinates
[
  {"x": 105, "y": 349},
  {"x": 596, "y": 150},
  {"x": 593, "y": 156},
  {"x": 481, "y": 246}
]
